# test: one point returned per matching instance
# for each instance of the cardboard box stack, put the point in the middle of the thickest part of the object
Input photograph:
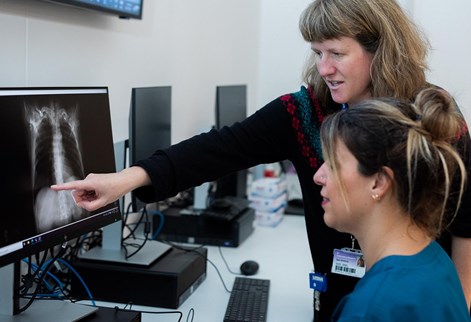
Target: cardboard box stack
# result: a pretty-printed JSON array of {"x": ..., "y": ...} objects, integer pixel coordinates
[{"x": 268, "y": 196}]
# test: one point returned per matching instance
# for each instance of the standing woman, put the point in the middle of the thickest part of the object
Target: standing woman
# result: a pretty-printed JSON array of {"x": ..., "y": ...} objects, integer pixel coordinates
[
  {"x": 361, "y": 49},
  {"x": 388, "y": 178}
]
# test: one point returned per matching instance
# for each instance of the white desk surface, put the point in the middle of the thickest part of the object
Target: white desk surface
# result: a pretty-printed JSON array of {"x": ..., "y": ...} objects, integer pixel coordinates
[{"x": 284, "y": 258}]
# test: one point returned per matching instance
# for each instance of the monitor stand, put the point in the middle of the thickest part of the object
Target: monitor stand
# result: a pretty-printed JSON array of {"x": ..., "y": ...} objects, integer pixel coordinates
[
  {"x": 40, "y": 310},
  {"x": 111, "y": 250}
]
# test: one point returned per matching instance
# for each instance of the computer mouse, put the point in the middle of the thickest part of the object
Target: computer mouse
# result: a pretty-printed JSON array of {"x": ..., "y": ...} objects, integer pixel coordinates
[{"x": 249, "y": 267}]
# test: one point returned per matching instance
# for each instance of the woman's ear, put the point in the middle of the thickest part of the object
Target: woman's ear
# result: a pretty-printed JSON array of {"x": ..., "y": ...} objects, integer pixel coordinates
[{"x": 383, "y": 182}]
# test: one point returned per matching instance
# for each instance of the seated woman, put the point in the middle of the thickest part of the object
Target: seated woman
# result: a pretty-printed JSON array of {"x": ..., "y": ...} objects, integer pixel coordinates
[{"x": 393, "y": 179}]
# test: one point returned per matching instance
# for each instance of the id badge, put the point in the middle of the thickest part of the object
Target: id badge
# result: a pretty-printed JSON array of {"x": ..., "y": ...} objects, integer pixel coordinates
[{"x": 349, "y": 262}]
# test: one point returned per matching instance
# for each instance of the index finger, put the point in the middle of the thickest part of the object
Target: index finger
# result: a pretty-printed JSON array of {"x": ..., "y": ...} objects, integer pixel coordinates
[{"x": 72, "y": 185}]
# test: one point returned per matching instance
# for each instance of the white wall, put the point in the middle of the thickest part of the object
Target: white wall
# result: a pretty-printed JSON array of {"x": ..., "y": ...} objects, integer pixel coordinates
[
  {"x": 447, "y": 25},
  {"x": 195, "y": 46},
  {"x": 283, "y": 51},
  {"x": 191, "y": 45}
]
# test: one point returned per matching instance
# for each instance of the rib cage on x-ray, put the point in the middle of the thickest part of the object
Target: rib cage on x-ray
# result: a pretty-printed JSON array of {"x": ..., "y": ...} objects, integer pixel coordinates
[{"x": 55, "y": 157}]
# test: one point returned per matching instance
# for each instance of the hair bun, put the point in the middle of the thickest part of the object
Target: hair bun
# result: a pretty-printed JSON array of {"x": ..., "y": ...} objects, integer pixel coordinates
[{"x": 438, "y": 114}]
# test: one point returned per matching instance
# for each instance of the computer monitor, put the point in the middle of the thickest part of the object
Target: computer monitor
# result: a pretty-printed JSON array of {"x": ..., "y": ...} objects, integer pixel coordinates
[
  {"x": 231, "y": 107},
  {"x": 149, "y": 125},
  {"x": 50, "y": 135},
  {"x": 122, "y": 8}
]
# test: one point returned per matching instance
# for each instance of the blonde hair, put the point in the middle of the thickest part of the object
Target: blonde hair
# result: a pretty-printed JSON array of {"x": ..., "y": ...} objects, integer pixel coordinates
[
  {"x": 418, "y": 142},
  {"x": 383, "y": 29}
]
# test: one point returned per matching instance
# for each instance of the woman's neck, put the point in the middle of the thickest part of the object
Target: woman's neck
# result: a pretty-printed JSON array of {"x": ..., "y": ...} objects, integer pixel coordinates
[{"x": 399, "y": 237}]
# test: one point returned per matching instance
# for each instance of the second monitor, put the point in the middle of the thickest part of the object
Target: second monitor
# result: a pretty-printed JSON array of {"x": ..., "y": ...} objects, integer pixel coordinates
[
  {"x": 149, "y": 125},
  {"x": 231, "y": 107}
]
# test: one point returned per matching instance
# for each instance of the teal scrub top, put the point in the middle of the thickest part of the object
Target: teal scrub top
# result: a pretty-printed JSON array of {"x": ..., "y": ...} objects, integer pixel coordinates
[{"x": 422, "y": 288}]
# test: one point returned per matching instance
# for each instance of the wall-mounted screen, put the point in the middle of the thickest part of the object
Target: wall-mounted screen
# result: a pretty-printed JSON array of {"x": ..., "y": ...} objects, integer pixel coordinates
[{"x": 121, "y": 8}]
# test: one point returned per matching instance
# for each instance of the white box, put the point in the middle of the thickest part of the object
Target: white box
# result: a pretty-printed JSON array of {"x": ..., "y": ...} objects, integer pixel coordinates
[
  {"x": 269, "y": 219},
  {"x": 268, "y": 187},
  {"x": 268, "y": 204}
]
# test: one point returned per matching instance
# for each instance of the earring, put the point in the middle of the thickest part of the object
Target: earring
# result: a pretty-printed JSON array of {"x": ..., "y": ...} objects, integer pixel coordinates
[{"x": 376, "y": 197}]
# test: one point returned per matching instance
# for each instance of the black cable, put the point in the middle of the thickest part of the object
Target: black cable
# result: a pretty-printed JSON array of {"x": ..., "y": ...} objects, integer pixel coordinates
[
  {"x": 205, "y": 257},
  {"x": 146, "y": 234},
  {"x": 133, "y": 230},
  {"x": 43, "y": 275},
  {"x": 220, "y": 276},
  {"x": 225, "y": 262},
  {"x": 28, "y": 279},
  {"x": 192, "y": 312}
]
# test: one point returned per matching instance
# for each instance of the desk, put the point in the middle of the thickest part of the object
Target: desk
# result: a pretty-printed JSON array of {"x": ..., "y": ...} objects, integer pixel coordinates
[{"x": 284, "y": 257}]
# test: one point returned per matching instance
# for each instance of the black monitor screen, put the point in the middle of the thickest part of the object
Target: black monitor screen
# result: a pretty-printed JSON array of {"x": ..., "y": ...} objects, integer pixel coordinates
[
  {"x": 149, "y": 123},
  {"x": 50, "y": 135},
  {"x": 122, "y": 8},
  {"x": 231, "y": 107},
  {"x": 231, "y": 104}
]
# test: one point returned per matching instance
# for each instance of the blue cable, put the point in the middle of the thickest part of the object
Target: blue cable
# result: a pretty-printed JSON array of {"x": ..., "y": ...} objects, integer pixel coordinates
[
  {"x": 80, "y": 279},
  {"x": 161, "y": 222},
  {"x": 59, "y": 282},
  {"x": 36, "y": 267}
]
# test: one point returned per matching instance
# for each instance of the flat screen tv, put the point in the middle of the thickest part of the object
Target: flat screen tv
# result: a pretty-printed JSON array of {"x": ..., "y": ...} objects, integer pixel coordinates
[
  {"x": 50, "y": 135},
  {"x": 121, "y": 8}
]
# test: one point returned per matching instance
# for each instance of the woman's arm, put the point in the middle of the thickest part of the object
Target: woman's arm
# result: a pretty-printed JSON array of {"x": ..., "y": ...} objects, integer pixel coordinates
[{"x": 264, "y": 137}]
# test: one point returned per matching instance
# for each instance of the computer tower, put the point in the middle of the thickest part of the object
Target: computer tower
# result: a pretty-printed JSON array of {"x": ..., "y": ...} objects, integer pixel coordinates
[
  {"x": 166, "y": 283},
  {"x": 198, "y": 229}
]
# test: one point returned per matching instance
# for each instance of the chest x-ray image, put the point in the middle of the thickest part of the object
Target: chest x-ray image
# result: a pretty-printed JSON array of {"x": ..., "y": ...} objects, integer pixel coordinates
[{"x": 55, "y": 157}]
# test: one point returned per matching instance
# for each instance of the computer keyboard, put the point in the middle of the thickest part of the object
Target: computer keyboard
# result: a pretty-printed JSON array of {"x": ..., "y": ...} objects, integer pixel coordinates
[{"x": 248, "y": 301}]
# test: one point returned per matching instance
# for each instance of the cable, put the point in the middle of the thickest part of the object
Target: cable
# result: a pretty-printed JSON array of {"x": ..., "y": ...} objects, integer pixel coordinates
[
  {"x": 192, "y": 312},
  {"x": 40, "y": 281},
  {"x": 146, "y": 235},
  {"x": 80, "y": 279},
  {"x": 224, "y": 260},
  {"x": 133, "y": 230},
  {"x": 161, "y": 222},
  {"x": 205, "y": 257},
  {"x": 36, "y": 267},
  {"x": 28, "y": 279},
  {"x": 220, "y": 276},
  {"x": 58, "y": 291}
]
